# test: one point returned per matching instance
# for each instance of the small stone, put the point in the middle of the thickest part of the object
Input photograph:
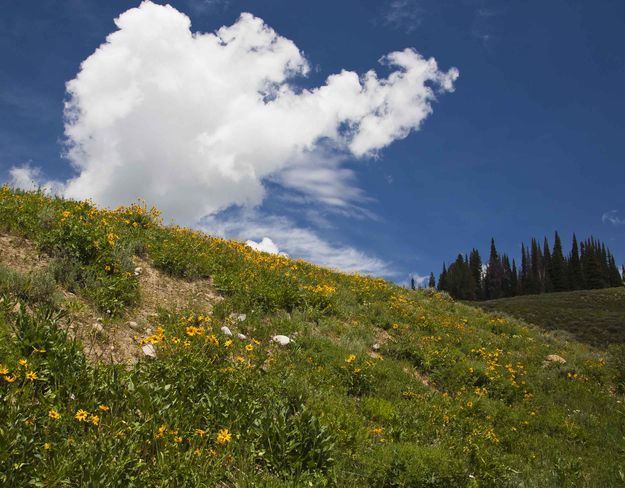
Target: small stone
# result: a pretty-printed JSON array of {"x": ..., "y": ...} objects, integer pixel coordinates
[
  {"x": 226, "y": 331},
  {"x": 99, "y": 320},
  {"x": 241, "y": 336},
  {"x": 281, "y": 339},
  {"x": 138, "y": 270},
  {"x": 134, "y": 325},
  {"x": 17, "y": 308},
  {"x": 97, "y": 327},
  {"x": 376, "y": 347},
  {"x": 554, "y": 358},
  {"x": 148, "y": 350},
  {"x": 148, "y": 331}
]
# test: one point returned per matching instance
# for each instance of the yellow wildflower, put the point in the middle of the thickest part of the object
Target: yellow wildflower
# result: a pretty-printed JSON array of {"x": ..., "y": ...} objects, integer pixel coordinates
[
  {"x": 200, "y": 432},
  {"x": 3, "y": 369},
  {"x": 377, "y": 430},
  {"x": 22, "y": 362},
  {"x": 95, "y": 420},
  {"x": 228, "y": 343},
  {"x": 350, "y": 359},
  {"x": 10, "y": 379},
  {"x": 40, "y": 350},
  {"x": 104, "y": 408},
  {"x": 177, "y": 439},
  {"x": 249, "y": 348},
  {"x": 46, "y": 446},
  {"x": 54, "y": 415},
  {"x": 81, "y": 415},
  {"x": 31, "y": 376},
  {"x": 224, "y": 436}
]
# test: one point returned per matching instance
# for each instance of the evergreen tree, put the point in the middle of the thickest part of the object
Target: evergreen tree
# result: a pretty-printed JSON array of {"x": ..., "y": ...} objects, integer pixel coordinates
[
  {"x": 614, "y": 276},
  {"x": 593, "y": 269},
  {"x": 558, "y": 266},
  {"x": 525, "y": 279},
  {"x": 506, "y": 283},
  {"x": 432, "y": 281},
  {"x": 514, "y": 280},
  {"x": 547, "y": 284},
  {"x": 442, "y": 279},
  {"x": 494, "y": 275},
  {"x": 576, "y": 279},
  {"x": 412, "y": 283},
  {"x": 475, "y": 265},
  {"x": 536, "y": 284}
]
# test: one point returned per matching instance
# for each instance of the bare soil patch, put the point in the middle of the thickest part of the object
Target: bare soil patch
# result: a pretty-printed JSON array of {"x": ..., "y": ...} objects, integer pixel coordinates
[{"x": 108, "y": 340}]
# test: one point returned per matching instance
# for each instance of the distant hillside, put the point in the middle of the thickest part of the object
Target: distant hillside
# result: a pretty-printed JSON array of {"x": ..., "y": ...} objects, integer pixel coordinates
[
  {"x": 136, "y": 354},
  {"x": 596, "y": 317}
]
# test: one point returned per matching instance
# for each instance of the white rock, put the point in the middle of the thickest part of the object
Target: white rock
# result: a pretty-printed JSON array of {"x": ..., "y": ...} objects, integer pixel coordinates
[
  {"x": 281, "y": 339},
  {"x": 134, "y": 325},
  {"x": 241, "y": 336},
  {"x": 99, "y": 320},
  {"x": 97, "y": 327},
  {"x": 138, "y": 271},
  {"x": 226, "y": 331},
  {"x": 148, "y": 350},
  {"x": 17, "y": 308},
  {"x": 554, "y": 358},
  {"x": 376, "y": 347},
  {"x": 241, "y": 317}
]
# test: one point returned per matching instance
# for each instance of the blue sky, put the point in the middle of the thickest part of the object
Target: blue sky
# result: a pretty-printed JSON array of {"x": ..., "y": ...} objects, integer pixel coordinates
[{"x": 526, "y": 143}]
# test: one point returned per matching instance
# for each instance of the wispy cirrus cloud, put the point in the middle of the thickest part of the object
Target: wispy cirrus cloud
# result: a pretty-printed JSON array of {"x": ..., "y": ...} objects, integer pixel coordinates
[
  {"x": 611, "y": 217},
  {"x": 404, "y": 15},
  {"x": 296, "y": 241}
]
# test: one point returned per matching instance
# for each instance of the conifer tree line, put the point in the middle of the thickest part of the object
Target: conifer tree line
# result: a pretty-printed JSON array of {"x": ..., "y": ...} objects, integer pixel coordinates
[{"x": 542, "y": 269}]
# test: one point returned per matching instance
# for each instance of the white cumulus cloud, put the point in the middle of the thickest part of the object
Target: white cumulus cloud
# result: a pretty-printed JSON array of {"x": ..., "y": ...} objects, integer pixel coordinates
[
  {"x": 197, "y": 122},
  {"x": 29, "y": 178},
  {"x": 265, "y": 245}
]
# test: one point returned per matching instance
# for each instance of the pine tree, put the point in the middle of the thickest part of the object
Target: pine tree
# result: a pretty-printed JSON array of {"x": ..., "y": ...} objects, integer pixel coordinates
[
  {"x": 576, "y": 279},
  {"x": 475, "y": 265},
  {"x": 558, "y": 266},
  {"x": 432, "y": 281},
  {"x": 536, "y": 284},
  {"x": 442, "y": 279},
  {"x": 614, "y": 276},
  {"x": 494, "y": 274},
  {"x": 514, "y": 280},
  {"x": 593, "y": 269},
  {"x": 547, "y": 284},
  {"x": 525, "y": 281}
]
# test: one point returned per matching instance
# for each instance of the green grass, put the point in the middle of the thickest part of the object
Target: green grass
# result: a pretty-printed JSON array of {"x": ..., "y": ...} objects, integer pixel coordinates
[
  {"x": 596, "y": 317},
  {"x": 320, "y": 412}
]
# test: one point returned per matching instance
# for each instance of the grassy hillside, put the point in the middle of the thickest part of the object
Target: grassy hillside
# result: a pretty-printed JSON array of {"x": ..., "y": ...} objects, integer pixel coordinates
[
  {"x": 596, "y": 317},
  {"x": 381, "y": 387}
]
